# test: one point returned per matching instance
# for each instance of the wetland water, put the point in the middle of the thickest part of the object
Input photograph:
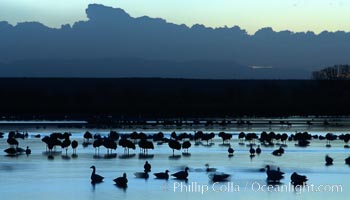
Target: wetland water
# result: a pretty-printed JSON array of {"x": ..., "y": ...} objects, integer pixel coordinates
[{"x": 36, "y": 177}]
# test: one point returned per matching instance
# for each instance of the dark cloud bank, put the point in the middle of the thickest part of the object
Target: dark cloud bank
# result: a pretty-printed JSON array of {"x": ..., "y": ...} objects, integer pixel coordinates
[{"x": 113, "y": 44}]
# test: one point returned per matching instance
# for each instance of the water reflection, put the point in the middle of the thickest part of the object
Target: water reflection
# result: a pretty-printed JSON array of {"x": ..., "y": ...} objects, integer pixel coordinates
[
  {"x": 174, "y": 157},
  {"x": 123, "y": 188}
]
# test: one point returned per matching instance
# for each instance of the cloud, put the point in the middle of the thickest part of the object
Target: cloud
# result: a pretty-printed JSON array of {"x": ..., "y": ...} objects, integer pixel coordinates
[
  {"x": 260, "y": 67},
  {"x": 111, "y": 33}
]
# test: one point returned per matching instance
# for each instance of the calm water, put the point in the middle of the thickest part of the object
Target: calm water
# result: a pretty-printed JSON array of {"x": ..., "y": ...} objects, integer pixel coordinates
[{"x": 36, "y": 177}]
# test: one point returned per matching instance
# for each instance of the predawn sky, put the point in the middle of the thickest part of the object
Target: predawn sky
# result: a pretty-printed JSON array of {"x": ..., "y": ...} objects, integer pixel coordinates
[{"x": 251, "y": 15}]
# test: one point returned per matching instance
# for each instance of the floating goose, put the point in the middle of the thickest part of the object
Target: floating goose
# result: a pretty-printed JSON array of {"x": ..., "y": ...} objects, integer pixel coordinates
[
  {"x": 347, "y": 160},
  {"x": 297, "y": 179},
  {"x": 181, "y": 174},
  {"x": 121, "y": 181},
  {"x": 162, "y": 175},
  {"x": 13, "y": 151},
  {"x": 208, "y": 169},
  {"x": 147, "y": 167},
  {"x": 258, "y": 150},
  {"x": 20, "y": 150},
  {"x": 252, "y": 150},
  {"x": 278, "y": 152},
  {"x": 28, "y": 151},
  {"x": 230, "y": 150},
  {"x": 141, "y": 175},
  {"x": 95, "y": 178},
  {"x": 12, "y": 141},
  {"x": 329, "y": 160},
  {"x": 273, "y": 176},
  {"x": 219, "y": 177}
]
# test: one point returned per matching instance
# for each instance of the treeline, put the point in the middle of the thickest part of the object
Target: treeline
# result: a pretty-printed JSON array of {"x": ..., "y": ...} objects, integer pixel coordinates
[
  {"x": 162, "y": 98},
  {"x": 336, "y": 72}
]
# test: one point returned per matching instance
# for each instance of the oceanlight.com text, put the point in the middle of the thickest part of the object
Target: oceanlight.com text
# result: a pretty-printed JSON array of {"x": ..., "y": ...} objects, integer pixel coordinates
[{"x": 196, "y": 187}]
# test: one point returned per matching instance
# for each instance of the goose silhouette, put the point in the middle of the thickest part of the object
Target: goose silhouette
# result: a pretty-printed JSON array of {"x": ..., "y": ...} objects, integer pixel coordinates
[
  {"x": 230, "y": 150},
  {"x": 219, "y": 177},
  {"x": 11, "y": 151},
  {"x": 208, "y": 169},
  {"x": 87, "y": 136},
  {"x": 252, "y": 150},
  {"x": 20, "y": 150},
  {"x": 65, "y": 144},
  {"x": 143, "y": 175},
  {"x": 273, "y": 176},
  {"x": 297, "y": 179},
  {"x": 121, "y": 181},
  {"x": 147, "y": 167},
  {"x": 97, "y": 144},
  {"x": 329, "y": 160},
  {"x": 174, "y": 145},
  {"x": 95, "y": 178},
  {"x": 182, "y": 175},
  {"x": 278, "y": 152},
  {"x": 258, "y": 150},
  {"x": 28, "y": 151},
  {"x": 12, "y": 141},
  {"x": 347, "y": 160},
  {"x": 126, "y": 144},
  {"x": 162, "y": 175},
  {"x": 74, "y": 146},
  {"x": 186, "y": 145}
]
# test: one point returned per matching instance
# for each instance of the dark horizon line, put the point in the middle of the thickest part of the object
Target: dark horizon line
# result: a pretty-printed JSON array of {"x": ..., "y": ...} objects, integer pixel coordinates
[{"x": 160, "y": 78}]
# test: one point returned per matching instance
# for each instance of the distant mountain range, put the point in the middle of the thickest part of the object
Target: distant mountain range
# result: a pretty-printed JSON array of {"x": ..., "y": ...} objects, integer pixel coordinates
[
  {"x": 132, "y": 67},
  {"x": 113, "y": 44}
]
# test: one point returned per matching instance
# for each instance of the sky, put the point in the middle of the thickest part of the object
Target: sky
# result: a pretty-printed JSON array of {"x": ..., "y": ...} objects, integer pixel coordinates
[{"x": 251, "y": 15}]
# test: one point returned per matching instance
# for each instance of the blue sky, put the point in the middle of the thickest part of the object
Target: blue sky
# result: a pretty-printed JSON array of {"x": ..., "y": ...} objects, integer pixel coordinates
[{"x": 295, "y": 15}]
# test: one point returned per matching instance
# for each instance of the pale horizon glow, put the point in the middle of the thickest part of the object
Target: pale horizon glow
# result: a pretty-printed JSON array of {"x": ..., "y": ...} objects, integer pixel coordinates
[{"x": 251, "y": 15}]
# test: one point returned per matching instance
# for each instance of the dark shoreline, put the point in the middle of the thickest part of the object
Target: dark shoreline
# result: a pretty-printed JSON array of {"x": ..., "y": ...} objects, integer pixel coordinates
[{"x": 156, "y": 98}]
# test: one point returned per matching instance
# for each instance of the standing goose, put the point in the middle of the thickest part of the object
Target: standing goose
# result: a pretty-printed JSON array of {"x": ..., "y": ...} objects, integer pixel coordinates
[
  {"x": 74, "y": 147},
  {"x": 121, "y": 181},
  {"x": 174, "y": 145},
  {"x": 182, "y": 175},
  {"x": 273, "y": 176},
  {"x": 95, "y": 178},
  {"x": 186, "y": 145},
  {"x": 162, "y": 175},
  {"x": 97, "y": 144}
]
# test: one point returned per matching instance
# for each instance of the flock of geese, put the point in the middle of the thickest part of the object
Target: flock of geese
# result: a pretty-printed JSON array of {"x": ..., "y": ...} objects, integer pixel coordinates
[
  {"x": 123, "y": 181},
  {"x": 273, "y": 176},
  {"x": 265, "y": 139}
]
